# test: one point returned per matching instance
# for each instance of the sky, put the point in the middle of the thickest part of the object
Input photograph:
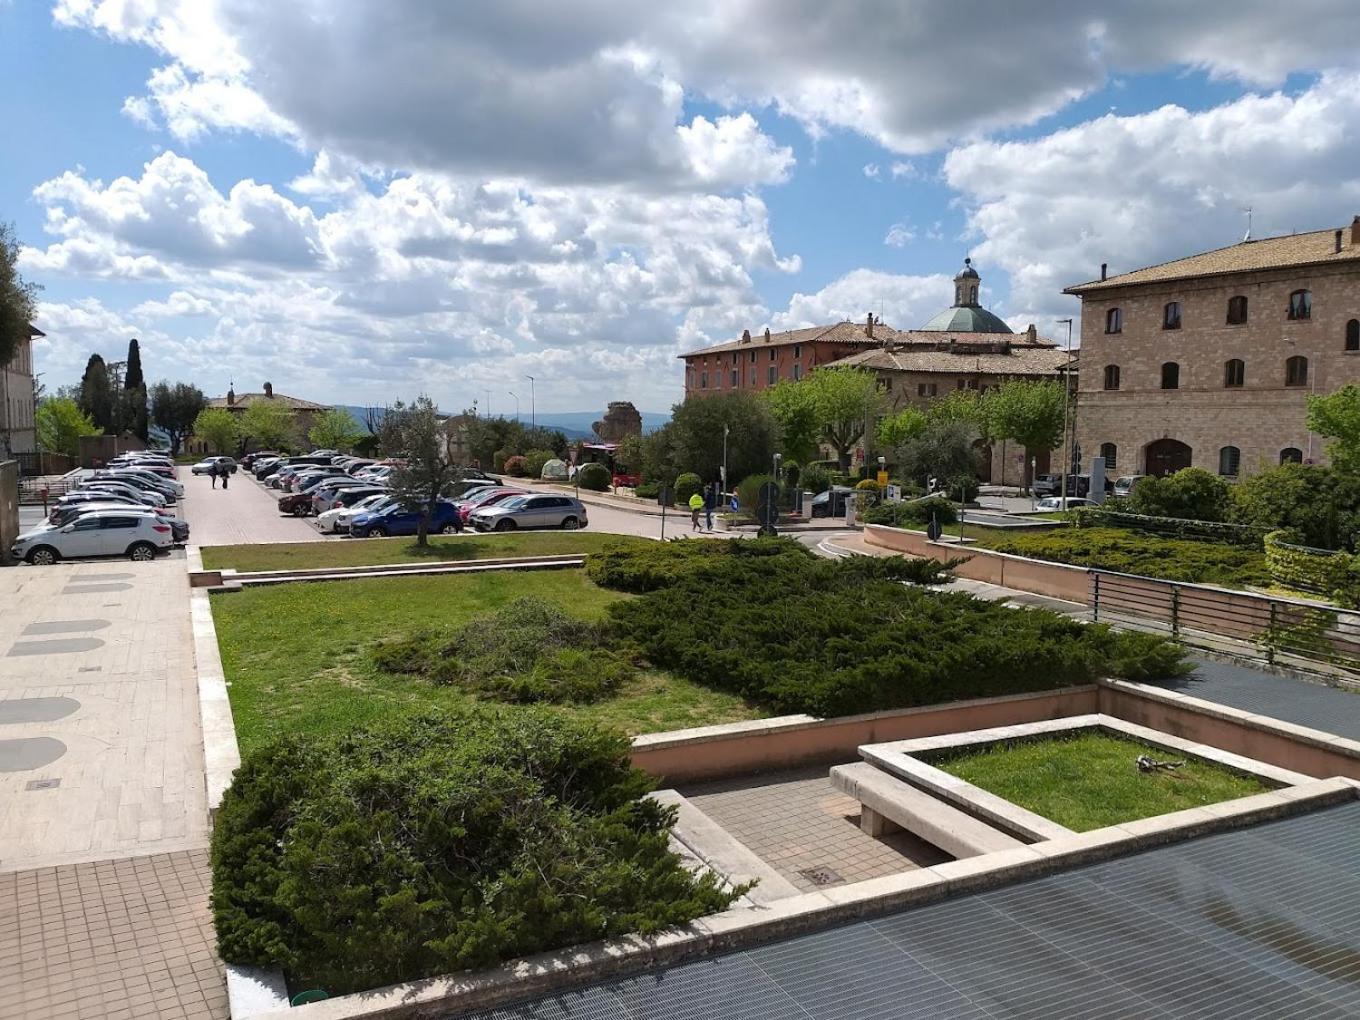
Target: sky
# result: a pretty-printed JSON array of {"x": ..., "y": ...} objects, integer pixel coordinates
[{"x": 366, "y": 201}]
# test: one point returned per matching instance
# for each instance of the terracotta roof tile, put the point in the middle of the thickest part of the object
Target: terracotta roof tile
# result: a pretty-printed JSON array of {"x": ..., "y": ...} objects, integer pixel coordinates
[
  {"x": 971, "y": 354},
  {"x": 837, "y": 333},
  {"x": 244, "y": 400}
]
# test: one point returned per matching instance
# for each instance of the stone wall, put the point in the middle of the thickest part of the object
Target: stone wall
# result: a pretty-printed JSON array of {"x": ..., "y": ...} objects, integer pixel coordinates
[
  {"x": 9, "y": 507},
  {"x": 1261, "y": 418}
]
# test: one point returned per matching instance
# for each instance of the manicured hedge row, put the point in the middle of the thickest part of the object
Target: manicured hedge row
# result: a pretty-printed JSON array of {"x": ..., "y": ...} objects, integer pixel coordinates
[
  {"x": 912, "y": 513},
  {"x": 1333, "y": 575}
]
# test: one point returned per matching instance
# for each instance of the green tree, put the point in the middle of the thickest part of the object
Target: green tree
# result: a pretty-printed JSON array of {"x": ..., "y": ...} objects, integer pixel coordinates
[
  {"x": 96, "y": 395},
  {"x": 218, "y": 427},
  {"x": 696, "y": 435},
  {"x": 629, "y": 453},
  {"x": 846, "y": 400},
  {"x": 794, "y": 406},
  {"x": 60, "y": 424},
  {"x": 175, "y": 408},
  {"x": 268, "y": 424},
  {"x": 18, "y": 299},
  {"x": 945, "y": 451},
  {"x": 1336, "y": 417},
  {"x": 334, "y": 430},
  {"x": 1031, "y": 413},
  {"x": 1321, "y": 505},
  {"x": 898, "y": 429},
  {"x": 1192, "y": 494},
  {"x": 659, "y": 457},
  {"x": 134, "y": 391},
  {"x": 415, "y": 432}
]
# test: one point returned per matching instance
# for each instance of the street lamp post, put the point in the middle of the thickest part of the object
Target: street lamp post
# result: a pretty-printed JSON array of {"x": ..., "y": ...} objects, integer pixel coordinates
[
  {"x": 533, "y": 411},
  {"x": 1067, "y": 399},
  {"x": 516, "y": 396},
  {"x": 724, "y": 463}
]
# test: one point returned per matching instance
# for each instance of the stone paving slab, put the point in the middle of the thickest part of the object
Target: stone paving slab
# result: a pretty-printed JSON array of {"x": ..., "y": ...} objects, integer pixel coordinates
[
  {"x": 247, "y": 512},
  {"x": 129, "y": 938}
]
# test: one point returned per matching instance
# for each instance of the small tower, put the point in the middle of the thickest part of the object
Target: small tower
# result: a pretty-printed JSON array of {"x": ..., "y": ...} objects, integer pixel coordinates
[{"x": 966, "y": 286}]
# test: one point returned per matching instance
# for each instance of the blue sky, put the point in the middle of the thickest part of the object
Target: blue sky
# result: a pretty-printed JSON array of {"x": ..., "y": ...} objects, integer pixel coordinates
[{"x": 362, "y": 203}]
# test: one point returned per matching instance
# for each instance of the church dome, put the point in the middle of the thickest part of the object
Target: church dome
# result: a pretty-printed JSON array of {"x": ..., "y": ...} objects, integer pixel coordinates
[{"x": 967, "y": 316}]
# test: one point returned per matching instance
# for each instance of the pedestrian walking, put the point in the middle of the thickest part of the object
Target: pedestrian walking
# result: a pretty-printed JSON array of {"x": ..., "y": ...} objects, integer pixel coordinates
[
  {"x": 212, "y": 473},
  {"x": 226, "y": 473},
  {"x": 710, "y": 500},
  {"x": 696, "y": 506}
]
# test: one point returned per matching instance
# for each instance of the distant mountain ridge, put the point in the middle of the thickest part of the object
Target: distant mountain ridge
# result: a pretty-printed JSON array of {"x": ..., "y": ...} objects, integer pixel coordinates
[{"x": 574, "y": 424}]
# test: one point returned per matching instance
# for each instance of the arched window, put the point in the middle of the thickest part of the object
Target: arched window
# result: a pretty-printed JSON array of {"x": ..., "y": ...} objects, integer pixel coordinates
[
  {"x": 1353, "y": 335},
  {"x": 1291, "y": 455},
  {"x": 1171, "y": 315},
  {"x": 1301, "y": 304},
  {"x": 1229, "y": 457},
  {"x": 1114, "y": 321},
  {"x": 1296, "y": 371},
  {"x": 1112, "y": 377},
  {"x": 1234, "y": 373},
  {"x": 1109, "y": 453},
  {"x": 1171, "y": 376},
  {"x": 1237, "y": 310}
]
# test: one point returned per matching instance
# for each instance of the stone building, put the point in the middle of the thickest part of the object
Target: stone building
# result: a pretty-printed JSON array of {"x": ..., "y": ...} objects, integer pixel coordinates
[
  {"x": 754, "y": 363},
  {"x": 18, "y": 427},
  {"x": 304, "y": 411},
  {"x": 1209, "y": 360}
]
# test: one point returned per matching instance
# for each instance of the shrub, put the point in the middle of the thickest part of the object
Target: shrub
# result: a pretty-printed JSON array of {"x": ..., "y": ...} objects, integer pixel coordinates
[
  {"x": 654, "y": 566},
  {"x": 799, "y": 634},
  {"x": 793, "y": 473},
  {"x": 1319, "y": 504},
  {"x": 498, "y": 459},
  {"x": 868, "y": 485},
  {"x": 913, "y": 514},
  {"x": 516, "y": 466},
  {"x": 535, "y": 460},
  {"x": 647, "y": 490},
  {"x": 816, "y": 478},
  {"x": 686, "y": 486},
  {"x": 527, "y": 651},
  {"x": 1113, "y": 514},
  {"x": 1333, "y": 575},
  {"x": 594, "y": 476},
  {"x": 1192, "y": 493},
  {"x": 748, "y": 492},
  {"x": 1130, "y": 552},
  {"x": 425, "y": 845}
]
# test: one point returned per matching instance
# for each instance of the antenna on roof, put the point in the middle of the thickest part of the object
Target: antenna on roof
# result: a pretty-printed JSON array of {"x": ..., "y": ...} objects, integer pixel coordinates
[{"x": 1247, "y": 235}]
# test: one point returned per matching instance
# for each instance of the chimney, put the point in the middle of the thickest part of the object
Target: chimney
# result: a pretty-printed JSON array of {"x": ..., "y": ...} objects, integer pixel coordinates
[
  {"x": 269, "y": 390},
  {"x": 231, "y": 397},
  {"x": 1355, "y": 231},
  {"x": 1031, "y": 334},
  {"x": 1338, "y": 238},
  {"x": 869, "y": 325},
  {"x": 767, "y": 334},
  {"x": 746, "y": 336},
  {"x": 1103, "y": 267}
]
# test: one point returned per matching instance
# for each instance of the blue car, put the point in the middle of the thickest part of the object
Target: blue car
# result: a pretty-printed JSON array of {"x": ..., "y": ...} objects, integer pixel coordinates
[{"x": 395, "y": 520}]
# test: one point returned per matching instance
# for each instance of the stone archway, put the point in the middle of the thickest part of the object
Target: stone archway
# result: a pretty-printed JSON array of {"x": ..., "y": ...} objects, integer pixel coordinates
[{"x": 1166, "y": 457}]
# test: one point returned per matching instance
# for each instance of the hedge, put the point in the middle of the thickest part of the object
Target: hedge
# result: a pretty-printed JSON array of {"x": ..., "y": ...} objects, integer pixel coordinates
[
  {"x": 1167, "y": 527},
  {"x": 439, "y": 843},
  {"x": 595, "y": 477},
  {"x": 799, "y": 634},
  {"x": 911, "y": 513}
]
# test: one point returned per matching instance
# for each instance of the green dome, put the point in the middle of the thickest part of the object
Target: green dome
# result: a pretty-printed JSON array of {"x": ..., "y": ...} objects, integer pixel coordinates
[{"x": 966, "y": 319}]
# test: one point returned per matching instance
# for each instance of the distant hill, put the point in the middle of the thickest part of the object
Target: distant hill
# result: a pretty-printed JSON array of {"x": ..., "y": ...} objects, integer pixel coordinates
[{"x": 574, "y": 424}]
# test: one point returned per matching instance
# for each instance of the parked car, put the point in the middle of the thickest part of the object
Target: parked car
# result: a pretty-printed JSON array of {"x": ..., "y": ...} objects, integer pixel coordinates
[
  {"x": 462, "y": 488},
  {"x": 395, "y": 520},
  {"x": 339, "y": 493},
  {"x": 356, "y": 464},
  {"x": 336, "y": 520},
  {"x": 1124, "y": 484},
  {"x": 206, "y": 465},
  {"x": 126, "y": 488},
  {"x": 487, "y": 495},
  {"x": 307, "y": 481},
  {"x": 149, "y": 479},
  {"x": 266, "y": 466},
  {"x": 136, "y": 535},
  {"x": 532, "y": 511},
  {"x": 66, "y": 513},
  {"x": 1063, "y": 503},
  {"x": 831, "y": 503},
  {"x": 255, "y": 456},
  {"x": 87, "y": 497},
  {"x": 1045, "y": 485}
]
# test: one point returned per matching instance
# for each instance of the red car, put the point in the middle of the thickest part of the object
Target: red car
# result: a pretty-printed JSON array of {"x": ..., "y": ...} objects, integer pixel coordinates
[
  {"x": 484, "y": 497},
  {"x": 626, "y": 481}
]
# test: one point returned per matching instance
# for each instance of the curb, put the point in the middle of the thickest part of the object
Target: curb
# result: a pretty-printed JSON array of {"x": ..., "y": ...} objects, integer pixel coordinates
[{"x": 221, "y": 754}]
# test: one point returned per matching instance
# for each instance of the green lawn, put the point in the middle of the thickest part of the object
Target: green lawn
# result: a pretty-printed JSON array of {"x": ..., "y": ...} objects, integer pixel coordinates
[
  {"x": 1090, "y": 780},
  {"x": 371, "y": 551},
  {"x": 297, "y": 655}
]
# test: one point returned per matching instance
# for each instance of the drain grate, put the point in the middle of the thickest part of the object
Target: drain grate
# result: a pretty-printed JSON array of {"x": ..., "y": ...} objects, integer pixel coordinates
[
  {"x": 43, "y": 784},
  {"x": 821, "y": 875}
]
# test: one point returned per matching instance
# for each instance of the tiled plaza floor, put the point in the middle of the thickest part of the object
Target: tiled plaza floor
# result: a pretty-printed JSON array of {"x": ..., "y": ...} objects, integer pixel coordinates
[{"x": 796, "y": 822}]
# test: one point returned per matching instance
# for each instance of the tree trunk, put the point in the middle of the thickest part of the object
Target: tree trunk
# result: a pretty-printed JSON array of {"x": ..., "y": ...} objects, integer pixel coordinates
[{"x": 423, "y": 529}]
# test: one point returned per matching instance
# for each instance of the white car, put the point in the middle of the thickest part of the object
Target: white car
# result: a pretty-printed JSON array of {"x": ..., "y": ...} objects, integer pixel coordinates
[
  {"x": 136, "y": 535},
  {"x": 1123, "y": 486},
  {"x": 208, "y": 463},
  {"x": 337, "y": 521},
  {"x": 1056, "y": 503}
]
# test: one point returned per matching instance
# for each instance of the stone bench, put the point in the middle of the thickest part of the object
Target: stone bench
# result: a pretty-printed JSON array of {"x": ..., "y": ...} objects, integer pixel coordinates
[{"x": 888, "y": 804}]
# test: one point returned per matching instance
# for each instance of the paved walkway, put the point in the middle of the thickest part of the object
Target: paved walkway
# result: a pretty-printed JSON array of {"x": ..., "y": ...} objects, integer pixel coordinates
[
  {"x": 1302, "y": 702},
  {"x": 247, "y": 512}
]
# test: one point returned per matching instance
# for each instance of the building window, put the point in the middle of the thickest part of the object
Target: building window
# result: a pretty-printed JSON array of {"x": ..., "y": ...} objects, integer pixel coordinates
[
  {"x": 885, "y": 384},
  {"x": 774, "y": 373},
  {"x": 1237, "y": 310},
  {"x": 736, "y": 378},
  {"x": 1171, "y": 376},
  {"x": 1353, "y": 335},
  {"x": 754, "y": 380},
  {"x": 1291, "y": 455},
  {"x": 1114, "y": 321},
  {"x": 1234, "y": 373},
  {"x": 797, "y": 372},
  {"x": 1171, "y": 315},
  {"x": 927, "y": 389},
  {"x": 1112, "y": 377},
  {"x": 703, "y": 381},
  {"x": 797, "y": 351},
  {"x": 967, "y": 384},
  {"x": 1301, "y": 305},
  {"x": 1296, "y": 371},
  {"x": 1109, "y": 453},
  {"x": 772, "y": 354},
  {"x": 753, "y": 357},
  {"x": 1229, "y": 457}
]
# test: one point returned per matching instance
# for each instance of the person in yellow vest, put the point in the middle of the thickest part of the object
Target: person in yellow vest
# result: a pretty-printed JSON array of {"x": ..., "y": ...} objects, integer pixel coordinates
[{"x": 696, "y": 507}]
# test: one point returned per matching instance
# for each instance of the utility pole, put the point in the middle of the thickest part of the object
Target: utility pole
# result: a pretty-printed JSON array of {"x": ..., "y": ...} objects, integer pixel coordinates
[
  {"x": 516, "y": 396},
  {"x": 533, "y": 413},
  {"x": 1067, "y": 399},
  {"x": 724, "y": 463}
]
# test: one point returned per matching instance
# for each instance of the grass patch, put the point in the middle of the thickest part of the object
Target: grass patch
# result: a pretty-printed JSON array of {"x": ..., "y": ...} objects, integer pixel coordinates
[
  {"x": 1090, "y": 780},
  {"x": 372, "y": 551},
  {"x": 298, "y": 656}
]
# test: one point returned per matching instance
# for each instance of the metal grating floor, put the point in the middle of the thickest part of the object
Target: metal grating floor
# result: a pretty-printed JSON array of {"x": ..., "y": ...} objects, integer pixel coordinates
[
  {"x": 1259, "y": 922},
  {"x": 1298, "y": 701}
]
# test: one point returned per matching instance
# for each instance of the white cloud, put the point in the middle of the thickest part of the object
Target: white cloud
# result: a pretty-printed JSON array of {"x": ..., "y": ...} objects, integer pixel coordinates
[
  {"x": 733, "y": 150},
  {"x": 903, "y": 168},
  {"x": 899, "y": 236},
  {"x": 903, "y": 302},
  {"x": 1134, "y": 191},
  {"x": 871, "y": 171}
]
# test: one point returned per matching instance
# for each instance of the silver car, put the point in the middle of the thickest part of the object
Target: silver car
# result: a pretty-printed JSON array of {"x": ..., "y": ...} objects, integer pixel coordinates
[
  {"x": 137, "y": 535},
  {"x": 532, "y": 511}
]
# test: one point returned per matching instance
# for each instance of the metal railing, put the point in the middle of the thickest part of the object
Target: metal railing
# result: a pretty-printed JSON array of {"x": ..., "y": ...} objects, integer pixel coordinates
[{"x": 1288, "y": 632}]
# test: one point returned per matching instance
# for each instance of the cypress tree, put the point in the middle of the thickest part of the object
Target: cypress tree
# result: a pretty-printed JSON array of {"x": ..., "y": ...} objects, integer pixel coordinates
[
  {"x": 95, "y": 398},
  {"x": 134, "y": 387}
]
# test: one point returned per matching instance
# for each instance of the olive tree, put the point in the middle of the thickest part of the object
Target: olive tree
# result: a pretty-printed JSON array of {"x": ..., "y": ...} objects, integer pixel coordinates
[{"x": 415, "y": 433}]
